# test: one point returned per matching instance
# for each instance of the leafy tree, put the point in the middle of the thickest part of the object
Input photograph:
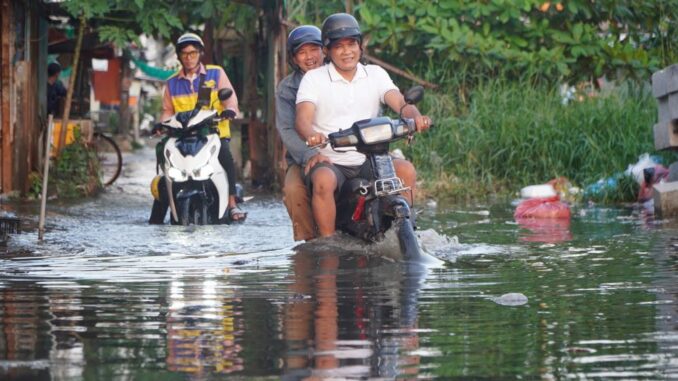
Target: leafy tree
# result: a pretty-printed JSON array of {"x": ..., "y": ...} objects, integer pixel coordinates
[
  {"x": 118, "y": 21},
  {"x": 121, "y": 21},
  {"x": 557, "y": 40}
]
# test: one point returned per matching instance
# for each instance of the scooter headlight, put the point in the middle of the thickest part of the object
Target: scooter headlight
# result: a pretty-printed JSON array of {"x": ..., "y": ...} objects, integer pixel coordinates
[
  {"x": 176, "y": 174},
  {"x": 376, "y": 134},
  {"x": 203, "y": 173}
]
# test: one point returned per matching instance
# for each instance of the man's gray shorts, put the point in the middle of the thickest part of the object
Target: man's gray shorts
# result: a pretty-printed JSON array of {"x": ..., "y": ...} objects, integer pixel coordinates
[{"x": 342, "y": 172}]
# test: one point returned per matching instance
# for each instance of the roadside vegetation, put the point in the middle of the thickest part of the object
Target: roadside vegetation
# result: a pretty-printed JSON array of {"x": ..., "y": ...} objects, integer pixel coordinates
[
  {"x": 501, "y": 120},
  {"x": 499, "y": 66},
  {"x": 74, "y": 175},
  {"x": 505, "y": 134}
]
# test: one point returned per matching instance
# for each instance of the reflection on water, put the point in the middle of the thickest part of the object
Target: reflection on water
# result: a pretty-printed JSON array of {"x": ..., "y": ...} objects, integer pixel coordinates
[
  {"x": 351, "y": 317},
  {"x": 210, "y": 303},
  {"x": 203, "y": 322},
  {"x": 545, "y": 230}
]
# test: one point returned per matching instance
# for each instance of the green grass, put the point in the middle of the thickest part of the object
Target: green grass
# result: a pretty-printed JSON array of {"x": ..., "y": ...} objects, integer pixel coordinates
[{"x": 503, "y": 135}]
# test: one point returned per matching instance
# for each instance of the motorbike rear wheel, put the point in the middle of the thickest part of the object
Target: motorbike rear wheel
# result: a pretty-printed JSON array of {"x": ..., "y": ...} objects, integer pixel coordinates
[{"x": 409, "y": 247}]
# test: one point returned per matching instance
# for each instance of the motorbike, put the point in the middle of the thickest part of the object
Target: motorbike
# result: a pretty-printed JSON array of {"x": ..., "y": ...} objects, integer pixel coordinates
[
  {"x": 193, "y": 181},
  {"x": 369, "y": 208}
]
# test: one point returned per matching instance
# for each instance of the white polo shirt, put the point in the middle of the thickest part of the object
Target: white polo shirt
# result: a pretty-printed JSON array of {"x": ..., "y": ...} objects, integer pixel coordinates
[{"x": 339, "y": 103}]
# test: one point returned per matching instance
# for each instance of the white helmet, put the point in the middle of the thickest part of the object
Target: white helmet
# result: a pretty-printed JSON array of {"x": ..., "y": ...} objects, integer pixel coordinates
[{"x": 189, "y": 39}]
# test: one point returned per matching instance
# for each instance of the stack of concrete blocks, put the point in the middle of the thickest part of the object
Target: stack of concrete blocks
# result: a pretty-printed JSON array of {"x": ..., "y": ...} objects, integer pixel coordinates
[{"x": 665, "y": 89}]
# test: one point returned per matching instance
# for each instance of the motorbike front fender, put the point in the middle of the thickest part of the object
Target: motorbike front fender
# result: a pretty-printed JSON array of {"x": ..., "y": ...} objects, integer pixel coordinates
[
  {"x": 395, "y": 206},
  {"x": 221, "y": 183},
  {"x": 183, "y": 193}
]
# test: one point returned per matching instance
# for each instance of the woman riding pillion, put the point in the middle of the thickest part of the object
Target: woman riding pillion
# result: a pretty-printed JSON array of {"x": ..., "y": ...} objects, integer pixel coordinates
[
  {"x": 182, "y": 93},
  {"x": 304, "y": 52}
]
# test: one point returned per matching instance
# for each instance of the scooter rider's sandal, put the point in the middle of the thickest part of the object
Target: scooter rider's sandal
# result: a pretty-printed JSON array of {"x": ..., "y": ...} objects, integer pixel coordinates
[{"x": 236, "y": 211}]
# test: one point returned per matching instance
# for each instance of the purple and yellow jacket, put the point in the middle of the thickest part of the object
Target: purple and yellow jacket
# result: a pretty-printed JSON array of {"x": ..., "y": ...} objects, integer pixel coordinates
[{"x": 181, "y": 94}]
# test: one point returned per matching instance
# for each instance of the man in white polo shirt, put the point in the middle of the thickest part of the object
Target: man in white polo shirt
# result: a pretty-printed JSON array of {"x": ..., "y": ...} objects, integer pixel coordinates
[{"x": 333, "y": 97}]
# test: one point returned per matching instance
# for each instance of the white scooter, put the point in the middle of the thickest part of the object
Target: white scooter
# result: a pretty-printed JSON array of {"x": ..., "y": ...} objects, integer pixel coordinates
[{"x": 194, "y": 181}]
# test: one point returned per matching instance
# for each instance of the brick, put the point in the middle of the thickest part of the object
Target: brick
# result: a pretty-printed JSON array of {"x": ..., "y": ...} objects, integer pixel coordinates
[
  {"x": 665, "y": 81},
  {"x": 658, "y": 84},
  {"x": 673, "y": 172},
  {"x": 666, "y": 199},
  {"x": 667, "y": 107},
  {"x": 666, "y": 135}
]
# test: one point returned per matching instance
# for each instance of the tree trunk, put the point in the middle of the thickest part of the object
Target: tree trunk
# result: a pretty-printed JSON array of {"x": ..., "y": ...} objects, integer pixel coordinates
[
  {"x": 125, "y": 81},
  {"x": 208, "y": 39},
  {"x": 71, "y": 86},
  {"x": 349, "y": 7}
]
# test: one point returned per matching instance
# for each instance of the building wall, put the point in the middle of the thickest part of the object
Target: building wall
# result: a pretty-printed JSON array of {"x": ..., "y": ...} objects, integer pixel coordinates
[{"x": 22, "y": 91}]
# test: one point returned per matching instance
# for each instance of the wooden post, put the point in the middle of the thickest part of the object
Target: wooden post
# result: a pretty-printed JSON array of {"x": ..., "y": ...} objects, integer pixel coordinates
[
  {"x": 7, "y": 33},
  {"x": 71, "y": 85},
  {"x": 277, "y": 71},
  {"x": 45, "y": 178},
  {"x": 24, "y": 124},
  {"x": 256, "y": 129}
]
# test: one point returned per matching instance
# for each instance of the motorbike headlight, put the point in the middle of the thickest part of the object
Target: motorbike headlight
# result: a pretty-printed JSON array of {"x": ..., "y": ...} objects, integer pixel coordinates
[
  {"x": 203, "y": 173},
  {"x": 345, "y": 140},
  {"x": 176, "y": 174},
  {"x": 377, "y": 133}
]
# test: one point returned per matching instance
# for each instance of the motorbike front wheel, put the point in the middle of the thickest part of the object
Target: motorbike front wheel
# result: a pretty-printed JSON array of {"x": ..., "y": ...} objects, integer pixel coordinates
[
  {"x": 184, "y": 211},
  {"x": 409, "y": 247},
  {"x": 190, "y": 211}
]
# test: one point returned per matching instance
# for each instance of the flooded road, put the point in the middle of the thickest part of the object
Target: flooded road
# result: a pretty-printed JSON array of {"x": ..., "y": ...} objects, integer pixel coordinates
[{"x": 108, "y": 297}]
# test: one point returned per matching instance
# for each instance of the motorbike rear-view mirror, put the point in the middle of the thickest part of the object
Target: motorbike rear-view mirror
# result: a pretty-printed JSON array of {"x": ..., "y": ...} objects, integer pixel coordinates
[
  {"x": 414, "y": 95},
  {"x": 225, "y": 93}
]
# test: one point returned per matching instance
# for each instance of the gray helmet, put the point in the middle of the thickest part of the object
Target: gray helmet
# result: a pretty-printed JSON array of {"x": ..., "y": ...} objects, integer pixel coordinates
[
  {"x": 189, "y": 39},
  {"x": 338, "y": 26},
  {"x": 301, "y": 35}
]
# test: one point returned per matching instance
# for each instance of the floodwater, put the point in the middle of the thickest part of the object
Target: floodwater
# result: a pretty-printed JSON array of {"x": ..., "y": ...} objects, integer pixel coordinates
[{"x": 108, "y": 297}]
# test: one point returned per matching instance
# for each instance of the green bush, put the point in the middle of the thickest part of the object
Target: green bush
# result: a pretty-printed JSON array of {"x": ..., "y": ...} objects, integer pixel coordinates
[
  {"x": 75, "y": 172},
  {"x": 508, "y": 134}
]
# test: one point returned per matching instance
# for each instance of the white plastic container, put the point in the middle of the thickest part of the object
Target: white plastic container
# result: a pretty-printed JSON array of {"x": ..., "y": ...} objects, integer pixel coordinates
[{"x": 538, "y": 191}]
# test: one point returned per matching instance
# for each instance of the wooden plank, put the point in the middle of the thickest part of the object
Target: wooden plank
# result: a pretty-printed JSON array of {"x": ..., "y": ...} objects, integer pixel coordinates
[
  {"x": 280, "y": 64},
  {"x": 23, "y": 124},
  {"x": 5, "y": 76}
]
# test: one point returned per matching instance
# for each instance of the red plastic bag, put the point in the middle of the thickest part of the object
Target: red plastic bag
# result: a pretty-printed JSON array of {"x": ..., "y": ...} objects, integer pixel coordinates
[{"x": 550, "y": 207}]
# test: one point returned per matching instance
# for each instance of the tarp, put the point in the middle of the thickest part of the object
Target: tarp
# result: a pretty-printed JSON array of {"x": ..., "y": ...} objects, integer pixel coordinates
[{"x": 152, "y": 71}]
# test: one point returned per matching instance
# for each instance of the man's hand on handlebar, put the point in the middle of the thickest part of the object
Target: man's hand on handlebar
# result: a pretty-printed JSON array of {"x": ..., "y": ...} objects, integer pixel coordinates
[
  {"x": 423, "y": 123},
  {"x": 228, "y": 114},
  {"x": 316, "y": 140},
  {"x": 157, "y": 129}
]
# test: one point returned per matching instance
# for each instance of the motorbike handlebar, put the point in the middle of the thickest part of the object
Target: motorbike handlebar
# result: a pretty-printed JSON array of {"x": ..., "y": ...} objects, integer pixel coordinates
[
  {"x": 227, "y": 114},
  {"x": 413, "y": 127},
  {"x": 157, "y": 128}
]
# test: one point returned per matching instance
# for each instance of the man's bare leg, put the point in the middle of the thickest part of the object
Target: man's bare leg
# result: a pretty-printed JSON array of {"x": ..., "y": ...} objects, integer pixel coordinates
[
  {"x": 298, "y": 202},
  {"x": 324, "y": 209}
]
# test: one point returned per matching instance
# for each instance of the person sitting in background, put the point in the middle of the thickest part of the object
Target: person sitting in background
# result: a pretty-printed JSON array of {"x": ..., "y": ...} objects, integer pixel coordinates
[{"x": 55, "y": 89}]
